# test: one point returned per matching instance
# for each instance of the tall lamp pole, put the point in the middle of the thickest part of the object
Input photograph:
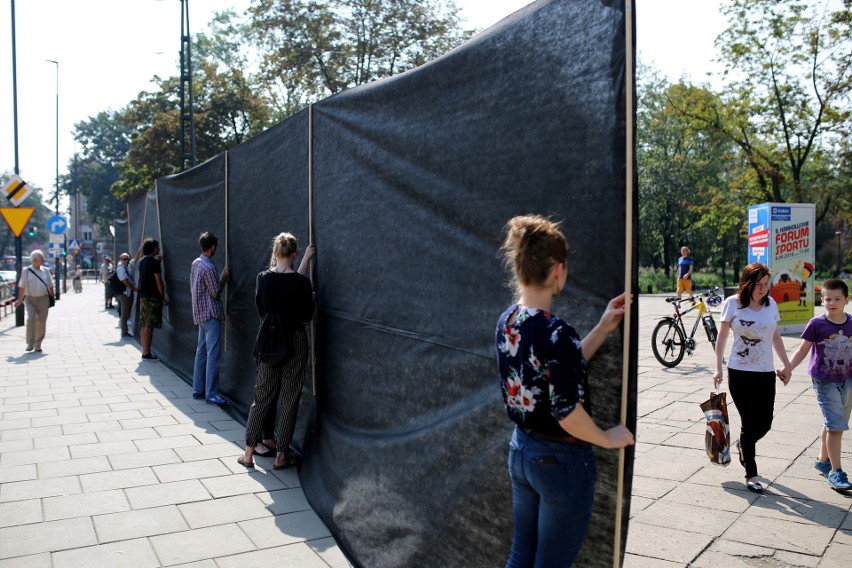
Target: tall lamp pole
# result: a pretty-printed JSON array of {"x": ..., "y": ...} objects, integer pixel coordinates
[
  {"x": 19, "y": 263},
  {"x": 56, "y": 256}
]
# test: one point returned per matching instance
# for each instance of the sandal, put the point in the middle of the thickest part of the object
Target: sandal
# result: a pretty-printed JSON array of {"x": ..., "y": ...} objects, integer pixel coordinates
[
  {"x": 269, "y": 453},
  {"x": 241, "y": 460},
  {"x": 290, "y": 461}
]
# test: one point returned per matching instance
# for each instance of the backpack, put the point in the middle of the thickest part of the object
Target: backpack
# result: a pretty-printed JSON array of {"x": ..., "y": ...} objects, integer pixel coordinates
[{"x": 117, "y": 285}]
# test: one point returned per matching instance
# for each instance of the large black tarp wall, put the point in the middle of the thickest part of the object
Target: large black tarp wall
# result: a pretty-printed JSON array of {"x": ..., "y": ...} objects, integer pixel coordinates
[{"x": 412, "y": 180}]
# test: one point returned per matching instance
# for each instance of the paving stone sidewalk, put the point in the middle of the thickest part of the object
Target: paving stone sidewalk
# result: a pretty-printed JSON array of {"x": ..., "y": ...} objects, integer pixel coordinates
[
  {"x": 688, "y": 512},
  {"x": 106, "y": 460}
]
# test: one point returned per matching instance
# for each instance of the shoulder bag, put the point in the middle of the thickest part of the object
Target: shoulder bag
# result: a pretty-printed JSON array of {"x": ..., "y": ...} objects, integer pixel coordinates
[
  {"x": 273, "y": 346},
  {"x": 51, "y": 300}
]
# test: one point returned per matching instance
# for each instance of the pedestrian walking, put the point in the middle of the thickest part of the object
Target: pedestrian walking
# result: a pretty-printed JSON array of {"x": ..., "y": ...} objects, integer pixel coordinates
[
  {"x": 208, "y": 314},
  {"x": 685, "y": 268},
  {"x": 751, "y": 315},
  {"x": 36, "y": 288},
  {"x": 828, "y": 339}
]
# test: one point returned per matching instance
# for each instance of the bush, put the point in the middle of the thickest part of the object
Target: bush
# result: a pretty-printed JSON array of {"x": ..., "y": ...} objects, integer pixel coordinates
[{"x": 655, "y": 280}]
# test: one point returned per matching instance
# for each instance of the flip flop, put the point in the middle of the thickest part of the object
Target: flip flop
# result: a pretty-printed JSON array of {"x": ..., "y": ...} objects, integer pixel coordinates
[
  {"x": 289, "y": 462},
  {"x": 267, "y": 454},
  {"x": 244, "y": 463}
]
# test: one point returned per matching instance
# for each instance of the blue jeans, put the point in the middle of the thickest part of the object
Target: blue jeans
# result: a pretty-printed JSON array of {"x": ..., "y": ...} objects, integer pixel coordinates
[
  {"x": 205, "y": 376},
  {"x": 553, "y": 489}
]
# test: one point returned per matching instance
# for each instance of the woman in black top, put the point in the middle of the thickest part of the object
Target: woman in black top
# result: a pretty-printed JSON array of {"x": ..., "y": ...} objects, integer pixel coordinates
[{"x": 288, "y": 293}]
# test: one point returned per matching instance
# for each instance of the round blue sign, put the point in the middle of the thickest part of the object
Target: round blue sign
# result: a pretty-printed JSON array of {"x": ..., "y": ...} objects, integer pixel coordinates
[{"x": 57, "y": 224}]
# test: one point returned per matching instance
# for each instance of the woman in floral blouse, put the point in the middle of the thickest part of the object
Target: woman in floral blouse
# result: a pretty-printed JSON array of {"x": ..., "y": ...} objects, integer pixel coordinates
[{"x": 542, "y": 363}]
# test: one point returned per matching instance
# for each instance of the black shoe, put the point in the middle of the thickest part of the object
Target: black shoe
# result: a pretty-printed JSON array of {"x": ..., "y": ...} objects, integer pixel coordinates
[
  {"x": 150, "y": 357},
  {"x": 126, "y": 335},
  {"x": 754, "y": 486},
  {"x": 198, "y": 395}
]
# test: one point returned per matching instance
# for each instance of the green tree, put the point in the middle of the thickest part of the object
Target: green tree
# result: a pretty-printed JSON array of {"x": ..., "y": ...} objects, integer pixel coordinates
[
  {"x": 313, "y": 49},
  {"x": 787, "y": 78},
  {"x": 685, "y": 179},
  {"x": 104, "y": 141}
]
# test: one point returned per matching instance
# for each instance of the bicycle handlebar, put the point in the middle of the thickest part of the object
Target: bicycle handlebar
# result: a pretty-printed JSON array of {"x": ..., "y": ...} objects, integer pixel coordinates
[{"x": 708, "y": 293}]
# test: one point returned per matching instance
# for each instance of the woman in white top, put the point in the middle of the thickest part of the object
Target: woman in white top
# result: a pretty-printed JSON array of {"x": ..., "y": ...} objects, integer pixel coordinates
[
  {"x": 752, "y": 316},
  {"x": 36, "y": 286}
]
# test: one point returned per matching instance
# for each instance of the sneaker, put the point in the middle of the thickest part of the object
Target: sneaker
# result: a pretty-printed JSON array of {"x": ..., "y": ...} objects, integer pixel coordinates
[
  {"x": 198, "y": 395},
  {"x": 824, "y": 468},
  {"x": 217, "y": 400},
  {"x": 838, "y": 480},
  {"x": 150, "y": 357}
]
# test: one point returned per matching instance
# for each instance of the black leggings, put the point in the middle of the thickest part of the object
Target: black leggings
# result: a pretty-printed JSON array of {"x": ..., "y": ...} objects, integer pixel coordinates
[{"x": 753, "y": 394}]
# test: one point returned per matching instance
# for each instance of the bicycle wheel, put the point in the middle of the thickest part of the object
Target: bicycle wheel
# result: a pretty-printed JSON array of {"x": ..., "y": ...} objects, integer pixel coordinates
[{"x": 668, "y": 343}]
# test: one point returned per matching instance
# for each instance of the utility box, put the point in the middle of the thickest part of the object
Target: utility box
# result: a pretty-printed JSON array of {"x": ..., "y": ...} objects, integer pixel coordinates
[{"x": 783, "y": 237}]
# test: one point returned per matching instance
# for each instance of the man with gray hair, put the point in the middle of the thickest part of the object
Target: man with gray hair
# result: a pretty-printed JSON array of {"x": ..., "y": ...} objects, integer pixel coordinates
[{"x": 36, "y": 286}]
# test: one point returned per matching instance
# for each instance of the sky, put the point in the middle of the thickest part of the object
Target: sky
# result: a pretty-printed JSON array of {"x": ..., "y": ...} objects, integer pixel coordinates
[{"x": 108, "y": 51}]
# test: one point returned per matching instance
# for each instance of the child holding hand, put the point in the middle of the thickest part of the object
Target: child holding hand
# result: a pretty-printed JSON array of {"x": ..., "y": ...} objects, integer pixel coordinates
[{"x": 828, "y": 338}]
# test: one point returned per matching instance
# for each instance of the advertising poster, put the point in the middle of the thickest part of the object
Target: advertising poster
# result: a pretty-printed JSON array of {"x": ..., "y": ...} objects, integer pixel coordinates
[{"x": 782, "y": 236}]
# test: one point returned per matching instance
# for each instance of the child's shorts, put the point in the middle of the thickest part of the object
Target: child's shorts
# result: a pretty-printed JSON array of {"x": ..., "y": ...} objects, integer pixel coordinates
[{"x": 835, "y": 402}]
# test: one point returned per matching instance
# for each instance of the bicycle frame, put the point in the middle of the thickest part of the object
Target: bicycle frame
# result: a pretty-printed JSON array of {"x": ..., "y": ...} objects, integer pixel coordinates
[{"x": 701, "y": 306}]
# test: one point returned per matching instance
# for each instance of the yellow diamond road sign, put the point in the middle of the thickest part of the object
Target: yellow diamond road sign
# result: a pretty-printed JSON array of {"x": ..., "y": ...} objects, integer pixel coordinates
[
  {"x": 17, "y": 218},
  {"x": 16, "y": 190}
]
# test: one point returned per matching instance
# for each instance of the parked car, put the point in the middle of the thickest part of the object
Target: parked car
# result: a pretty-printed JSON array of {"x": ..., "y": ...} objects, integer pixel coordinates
[{"x": 7, "y": 290}]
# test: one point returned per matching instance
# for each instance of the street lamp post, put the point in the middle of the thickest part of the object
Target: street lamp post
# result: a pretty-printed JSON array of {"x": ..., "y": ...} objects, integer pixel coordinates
[{"x": 56, "y": 256}]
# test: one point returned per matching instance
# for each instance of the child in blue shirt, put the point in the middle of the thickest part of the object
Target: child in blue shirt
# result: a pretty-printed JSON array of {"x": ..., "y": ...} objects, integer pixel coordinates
[{"x": 828, "y": 338}]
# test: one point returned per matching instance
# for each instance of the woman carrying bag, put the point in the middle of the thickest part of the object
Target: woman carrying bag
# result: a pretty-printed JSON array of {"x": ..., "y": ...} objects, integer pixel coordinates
[
  {"x": 284, "y": 296},
  {"x": 752, "y": 316}
]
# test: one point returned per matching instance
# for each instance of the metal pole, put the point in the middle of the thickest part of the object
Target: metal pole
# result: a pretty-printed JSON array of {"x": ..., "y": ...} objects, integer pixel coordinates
[
  {"x": 56, "y": 256},
  {"x": 19, "y": 263}
]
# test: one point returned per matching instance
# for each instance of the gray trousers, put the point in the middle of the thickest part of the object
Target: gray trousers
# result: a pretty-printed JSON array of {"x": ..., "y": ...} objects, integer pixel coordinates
[
  {"x": 37, "y": 309},
  {"x": 126, "y": 302}
]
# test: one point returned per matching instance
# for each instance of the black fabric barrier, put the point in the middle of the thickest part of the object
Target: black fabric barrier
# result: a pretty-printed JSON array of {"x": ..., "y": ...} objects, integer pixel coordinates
[{"x": 413, "y": 178}]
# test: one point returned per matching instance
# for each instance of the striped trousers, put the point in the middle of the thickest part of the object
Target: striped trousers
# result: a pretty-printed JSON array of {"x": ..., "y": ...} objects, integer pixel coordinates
[{"x": 278, "y": 383}]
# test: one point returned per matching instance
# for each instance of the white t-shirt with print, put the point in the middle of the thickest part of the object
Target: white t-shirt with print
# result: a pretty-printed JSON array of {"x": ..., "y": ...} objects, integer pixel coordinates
[{"x": 752, "y": 331}]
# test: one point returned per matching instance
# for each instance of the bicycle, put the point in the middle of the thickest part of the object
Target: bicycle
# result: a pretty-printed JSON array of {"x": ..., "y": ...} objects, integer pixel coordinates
[{"x": 669, "y": 340}]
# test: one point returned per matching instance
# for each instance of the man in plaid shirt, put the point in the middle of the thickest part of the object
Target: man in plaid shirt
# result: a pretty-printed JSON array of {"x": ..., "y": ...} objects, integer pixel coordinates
[{"x": 207, "y": 314}]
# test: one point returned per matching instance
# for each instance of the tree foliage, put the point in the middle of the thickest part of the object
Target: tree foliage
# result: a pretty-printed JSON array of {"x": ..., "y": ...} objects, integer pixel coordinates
[{"x": 313, "y": 49}]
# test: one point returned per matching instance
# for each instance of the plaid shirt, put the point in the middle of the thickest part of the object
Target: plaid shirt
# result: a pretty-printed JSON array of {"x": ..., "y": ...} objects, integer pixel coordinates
[{"x": 206, "y": 287}]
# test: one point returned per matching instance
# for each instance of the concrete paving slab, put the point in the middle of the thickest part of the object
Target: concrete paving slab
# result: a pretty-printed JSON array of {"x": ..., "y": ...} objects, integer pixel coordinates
[
  {"x": 34, "y": 561},
  {"x": 122, "y": 479},
  {"x": 190, "y": 470},
  {"x": 127, "y": 554},
  {"x": 137, "y": 524},
  {"x": 84, "y": 505},
  {"x": 228, "y": 510},
  {"x": 39, "y": 488},
  {"x": 20, "y": 513},
  {"x": 167, "y": 494},
  {"x": 69, "y": 468},
  {"x": 297, "y": 555},
  {"x": 285, "y": 529},
  {"x": 50, "y": 536},
  {"x": 200, "y": 544}
]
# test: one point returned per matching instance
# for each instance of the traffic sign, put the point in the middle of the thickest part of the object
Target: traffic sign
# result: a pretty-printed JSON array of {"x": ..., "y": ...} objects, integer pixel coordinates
[
  {"x": 57, "y": 224},
  {"x": 16, "y": 190},
  {"x": 74, "y": 245},
  {"x": 17, "y": 218},
  {"x": 55, "y": 249},
  {"x": 54, "y": 238}
]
